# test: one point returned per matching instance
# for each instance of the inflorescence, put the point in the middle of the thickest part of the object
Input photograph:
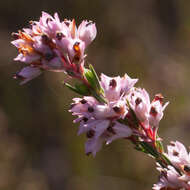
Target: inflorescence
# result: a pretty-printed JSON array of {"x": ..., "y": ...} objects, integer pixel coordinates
[{"x": 110, "y": 108}]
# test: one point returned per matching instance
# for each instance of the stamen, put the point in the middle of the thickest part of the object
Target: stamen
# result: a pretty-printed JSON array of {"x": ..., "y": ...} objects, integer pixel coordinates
[
  {"x": 45, "y": 39},
  {"x": 175, "y": 153},
  {"x": 186, "y": 168},
  {"x": 90, "y": 109},
  {"x": 153, "y": 111},
  {"x": 89, "y": 23},
  {"x": 138, "y": 101},
  {"x": 113, "y": 83},
  {"x": 59, "y": 35},
  {"x": 90, "y": 133},
  {"x": 117, "y": 109},
  {"x": 83, "y": 101},
  {"x": 15, "y": 36},
  {"x": 85, "y": 119}
]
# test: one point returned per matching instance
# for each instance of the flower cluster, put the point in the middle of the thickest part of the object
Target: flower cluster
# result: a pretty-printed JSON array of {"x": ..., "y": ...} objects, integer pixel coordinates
[
  {"x": 53, "y": 45},
  {"x": 128, "y": 112},
  {"x": 111, "y": 108},
  {"x": 175, "y": 177},
  {"x": 99, "y": 120}
]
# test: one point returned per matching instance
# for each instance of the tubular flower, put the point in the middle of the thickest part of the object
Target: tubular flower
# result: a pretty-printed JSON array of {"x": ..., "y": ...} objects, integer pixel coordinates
[
  {"x": 148, "y": 115},
  {"x": 177, "y": 178},
  {"x": 54, "y": 45},
  {"x": 170, "y": 180},
  {"x": 98, "y": 120}
]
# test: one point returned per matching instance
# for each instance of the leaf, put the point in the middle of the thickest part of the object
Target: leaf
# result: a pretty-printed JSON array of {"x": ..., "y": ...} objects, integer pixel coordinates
[
  {"x": 78, "y": 88},
  {"x": 90, "y": 78},
  {"x": 95, "y": 77}
]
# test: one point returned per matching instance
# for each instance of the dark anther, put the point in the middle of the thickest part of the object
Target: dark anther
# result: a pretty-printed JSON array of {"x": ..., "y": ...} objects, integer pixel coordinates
[
  {"x": 48, "y": 19},
  {"x": 159, "y": 97},
  {"x": 59, "y": 35},
  {"x": 15, "y": 36},
  {"x": 32, "y": 22},
  {"x": 83, "y": 101},
  {"x": 138, "y": 101},
  {"x": 89, "y": 23},
  {"x": 111, "y": 130},
  {"x": 45, "y": 39},
  {"x": 113, "y": 83},
  {"x": 117, "y": 109},
  {"x": 90, "y": 133},
  {"x": 85, "y": 119},
  {"x": 67, "y": 23},
  {"x": 49, "y": 56},
  {"x": 186, "y": 168},
  {"x": 90, "y": 109},
  {"x": 153, "y": 111},
  {"x": 175, "y": 153}
]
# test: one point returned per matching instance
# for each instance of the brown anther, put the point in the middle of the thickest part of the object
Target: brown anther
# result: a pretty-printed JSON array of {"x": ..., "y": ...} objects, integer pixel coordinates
[
  {"x": 32, "y": 22},
  {"x": 110, "y": 129},
  {"x": 186, "y": 168},
  {"x": 76, "y": 46},
  {"x": 90, "y": 133},
  {"x": 15, "y": 36},
  {"x": 59, "y": 35},
  {"x": 89, "y": 23},
  {"x": 83, "y": 101},
  {"x": 67, "y": 23},
  {"x": 175, "y": 153},
  {"x": 48, "y": 20},
  {"x": 45, "y": 39},
  {"x": 117, "y": 109},
  {"x": 158, "y": 97},
  {"x": 172, "y": 143},
  {"x": 85, "y": 119},
  {"x": 153, "y": 112},
  {"x": 138, "y": 101},
  {"x": 90, "y": 109},
  {"x": 113, "y": 83}
]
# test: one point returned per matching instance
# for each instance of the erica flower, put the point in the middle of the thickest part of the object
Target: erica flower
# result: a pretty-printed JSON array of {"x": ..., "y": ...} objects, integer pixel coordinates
[
  {"x": 179, "y": 156},
  {"x": 54, "y": 45},
  {"x": 156, "y": 110},
  {"x": 170, "y": 180},
  {"x": 99, "y": 122},
  {"x": 115, "y": 87}
]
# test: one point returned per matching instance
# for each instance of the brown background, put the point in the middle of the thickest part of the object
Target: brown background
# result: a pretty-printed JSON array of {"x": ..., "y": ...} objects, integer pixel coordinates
[{"x": 39, "y": 148}]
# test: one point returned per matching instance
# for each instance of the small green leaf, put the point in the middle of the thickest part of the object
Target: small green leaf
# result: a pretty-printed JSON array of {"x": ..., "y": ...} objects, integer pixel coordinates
[
  {"x": 90, "y": 78},
  {"x": 78, "y": 88},
  {"x": 95, "y": 77}
]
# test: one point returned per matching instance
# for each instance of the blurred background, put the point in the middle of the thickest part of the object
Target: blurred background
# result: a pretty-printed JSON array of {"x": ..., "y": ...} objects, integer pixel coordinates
[{"x": 39, "y": 148}]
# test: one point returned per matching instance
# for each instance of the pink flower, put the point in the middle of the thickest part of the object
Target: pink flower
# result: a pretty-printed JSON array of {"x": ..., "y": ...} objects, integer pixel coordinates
[
  {"x": 54, "y": 45},
  {"x": 99, "y": 122},
  {"x": 140, "y": 103},
  {"x": 87, "y": 32},
  {"x": 170, "y": 180},
  {"x": 115, "y": 87},
  {"x": 156, "y": 110},
  {"x": 27, "y": 73},
  {"x": 178, "y": 155}
]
